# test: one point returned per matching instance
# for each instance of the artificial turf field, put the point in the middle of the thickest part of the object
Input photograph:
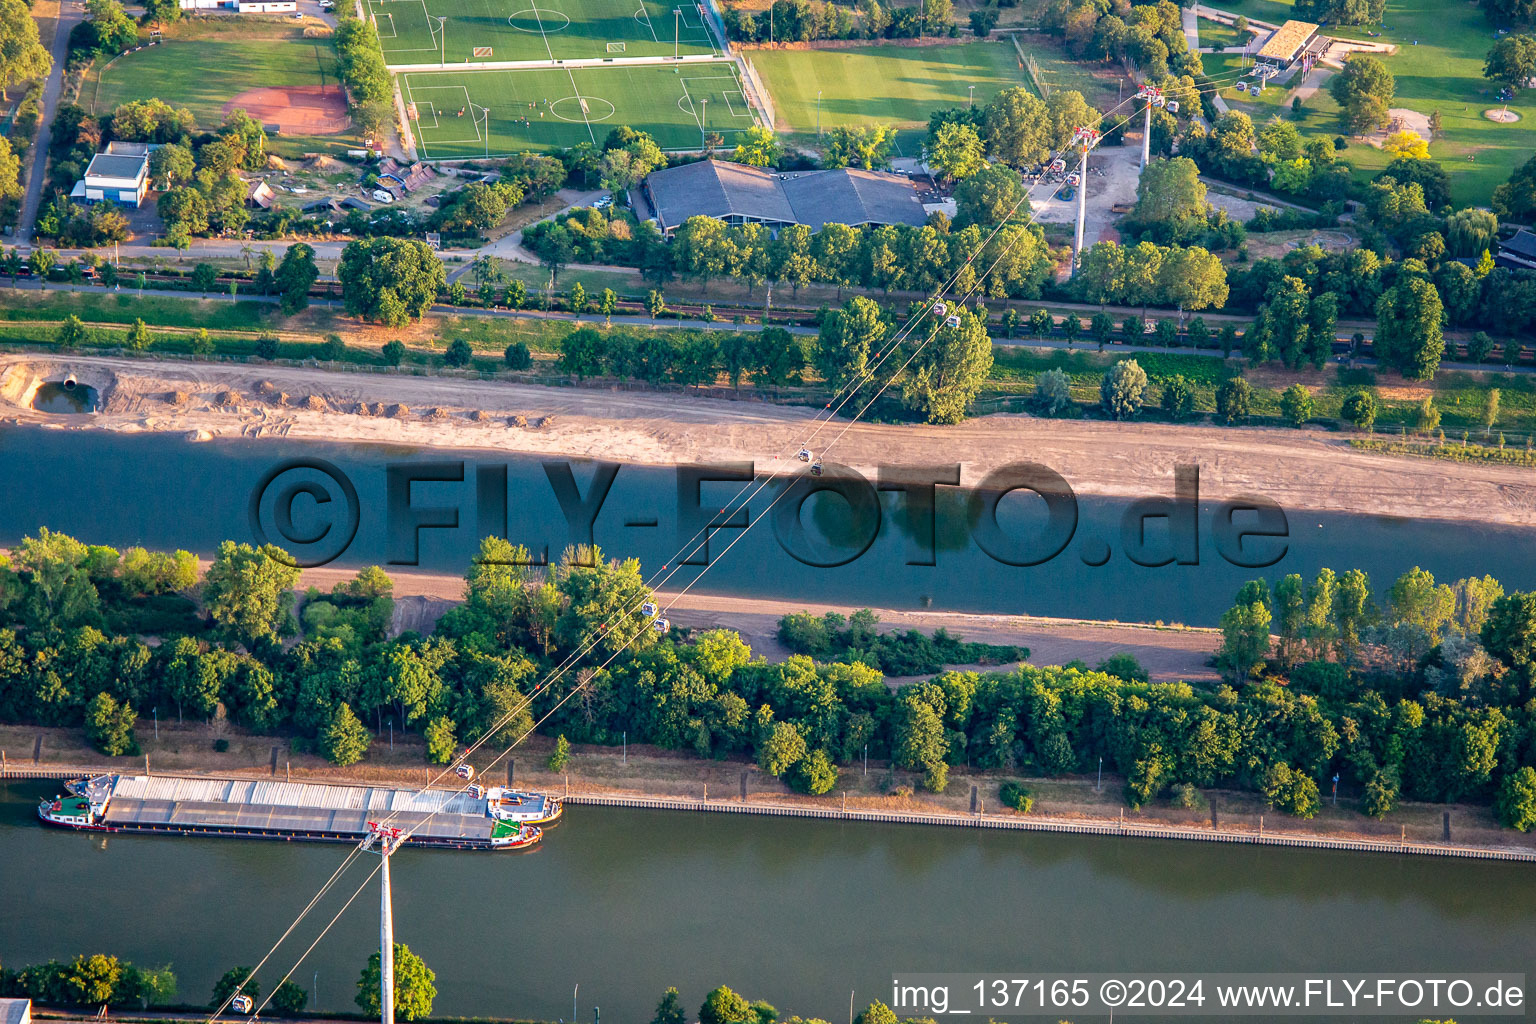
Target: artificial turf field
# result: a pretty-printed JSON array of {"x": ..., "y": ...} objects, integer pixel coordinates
[
  {"x": 676, "y": 104},
  {"x": 518, "y": 30}
]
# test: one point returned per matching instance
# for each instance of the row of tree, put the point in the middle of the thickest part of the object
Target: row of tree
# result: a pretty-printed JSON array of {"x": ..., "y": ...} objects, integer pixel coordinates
[{"x": 1367, "y": 692}]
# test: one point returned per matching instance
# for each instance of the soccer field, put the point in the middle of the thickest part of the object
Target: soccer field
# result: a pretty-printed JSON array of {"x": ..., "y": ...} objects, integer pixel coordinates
[
  {"x": 411, "y": 33},
  {"x": 547, "y": 108}
]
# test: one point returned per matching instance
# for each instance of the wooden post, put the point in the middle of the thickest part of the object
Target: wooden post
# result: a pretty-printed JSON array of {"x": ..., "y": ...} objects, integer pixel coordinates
[
  {"x": 973, "y": 799},
  {"x": 1446, "y": 821},
  {"x": 567, "y": 785},
  {"x": 511, "y": 761},
  {"x": 1261, "y": 826},
  {"x": 37, "y": 749},
  {"x": 744, "y": 786},
  {"x": 146, "y": 764},
  {"x": 275, "y": 752},
  {"x": 287, "y": 771}
]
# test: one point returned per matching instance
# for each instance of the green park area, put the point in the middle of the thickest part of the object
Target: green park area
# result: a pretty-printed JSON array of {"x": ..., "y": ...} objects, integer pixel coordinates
[{"x": 1438, "y": 68}]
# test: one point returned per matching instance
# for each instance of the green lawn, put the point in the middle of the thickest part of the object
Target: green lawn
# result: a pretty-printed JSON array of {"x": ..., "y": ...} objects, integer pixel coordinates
[
  {"x": 546, "y": 30},
  {"x": 201, "y": 67},
  {"x": 1214, "y": 33},
  {"x": 1442, "y": 72},
  {"x": 1275, "y": 11},
  {"x": 895, "y": 85},
  {"x": 539, "y": 109}
]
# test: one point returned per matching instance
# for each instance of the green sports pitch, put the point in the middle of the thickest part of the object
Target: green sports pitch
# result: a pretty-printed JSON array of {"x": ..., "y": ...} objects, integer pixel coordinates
[
  {"x": 465, "y": 114},
  {"x": 448, "y": 32}
]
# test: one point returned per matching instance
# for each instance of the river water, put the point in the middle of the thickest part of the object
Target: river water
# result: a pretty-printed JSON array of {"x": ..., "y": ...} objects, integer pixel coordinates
[
  {"x": 161, "y": 491},
  {"x": 625, "y": 903}
]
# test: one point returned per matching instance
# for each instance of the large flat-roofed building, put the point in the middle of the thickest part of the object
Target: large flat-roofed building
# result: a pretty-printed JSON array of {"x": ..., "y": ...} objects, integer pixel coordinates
[
  {"x": 1288, "y": 42},
  {"x": 1518, "y": 252},
  {"x": 119, "y": 173},
  {"x": 738, "y": 194}
]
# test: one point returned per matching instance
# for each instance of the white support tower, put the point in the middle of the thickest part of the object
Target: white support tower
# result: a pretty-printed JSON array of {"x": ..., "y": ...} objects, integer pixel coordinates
[
  {"x": 385, "y": 840},
  {"x": 1154, "y": 98},
  {"x": 1086, "y": 139}
]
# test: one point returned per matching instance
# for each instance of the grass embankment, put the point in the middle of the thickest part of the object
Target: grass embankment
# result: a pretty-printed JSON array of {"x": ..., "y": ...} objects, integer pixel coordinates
[
  {"x": 1438, "y": 67},
  {"x": 650, "y": 771},
  {"x": 30, "y": 319}
]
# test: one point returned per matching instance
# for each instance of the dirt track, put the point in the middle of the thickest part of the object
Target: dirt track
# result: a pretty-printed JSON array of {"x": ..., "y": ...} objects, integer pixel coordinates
[{"x": 1309, "y": 469}]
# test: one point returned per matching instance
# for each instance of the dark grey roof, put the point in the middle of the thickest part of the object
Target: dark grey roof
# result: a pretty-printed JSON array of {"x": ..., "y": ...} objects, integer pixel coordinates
[
  {"x": 714, "y": 188},
  {"x": 1522, "y": 244},
  {"x": 104, "y": 165}
]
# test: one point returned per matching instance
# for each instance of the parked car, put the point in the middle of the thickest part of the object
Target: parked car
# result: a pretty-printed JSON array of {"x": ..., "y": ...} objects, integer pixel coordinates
[{"x": 603, "y": 203}]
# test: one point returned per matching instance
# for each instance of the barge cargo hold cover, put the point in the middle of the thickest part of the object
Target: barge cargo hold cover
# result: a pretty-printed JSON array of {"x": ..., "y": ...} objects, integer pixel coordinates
[{"x": 289, "y": 810}]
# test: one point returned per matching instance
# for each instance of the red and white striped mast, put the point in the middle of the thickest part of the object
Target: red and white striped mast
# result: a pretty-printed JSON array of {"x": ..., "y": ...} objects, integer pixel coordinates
[{"x": 385, "y": 840}]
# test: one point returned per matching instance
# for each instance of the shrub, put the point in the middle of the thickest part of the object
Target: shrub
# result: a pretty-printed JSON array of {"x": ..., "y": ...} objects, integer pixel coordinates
[
  {"x": 1016, "y": 796},
  {"x": 1185, "y": 796},
  {"x": 813, "y": 774},
  {"x": 561, "y": 756},
  {"x": 221, "y": 745}
]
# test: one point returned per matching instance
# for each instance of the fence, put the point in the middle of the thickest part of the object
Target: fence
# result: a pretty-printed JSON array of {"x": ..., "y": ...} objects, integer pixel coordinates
[{"x": 759, "y": 92}]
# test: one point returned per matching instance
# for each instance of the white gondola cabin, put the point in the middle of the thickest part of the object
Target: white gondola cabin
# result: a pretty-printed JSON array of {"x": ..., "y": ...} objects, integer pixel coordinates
[
  {"x": 804, "y": 455},
  {"x": 648, "y": 609}
]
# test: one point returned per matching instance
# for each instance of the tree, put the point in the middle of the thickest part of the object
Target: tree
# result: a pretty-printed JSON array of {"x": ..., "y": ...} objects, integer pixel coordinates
[
  {"x": 814, "y": 774},
  {"x": 391, "y": 280},
  {"x": 237, "y": 981},
  {"x": 1363, "y": 75},
  {"x": 783, "y": 748},
  {"x": 582, "y": 353},
  {"x": 759, "y": 147},
  {"x": 945, "y": 375},
  {"x": 1171, "y": 194},
  {"x": 109, "y": 728},
  {"x": 1360, "y": 408},
  {"x": 414, "y": 988},
  {"x": 344, "y": 741},
  {"x": 249, "y": 591},
  {"x": 1516, "y": 199},
  {"x": 561, "y": 755},
  {"x": 138, "y": 338},
  {"x": 517, "y": 356},
  {"x": 1234, "y": 400},
  {"x": 1122, "y": 389},
  {"x": 289, "y": 1000},
  {"x": 1018, "y": 127},
  {"x": 1515, "y": 804},
  {"x": 669, "y": 1010},
  {"x": 1245, "y": 636},
  {"x": 22, "y": 55},
  {"x": 956, "y": 151},
  {"x": 1511, "y": 61},
  {"x": 722, "y": 1006},
  {"x": 1471, "y": 232},
  {"x": 72, "y": 333},
  {"x": 204, "y": 277},
  {"x": 991, "y": 196},
  {"x": 294, "y": 276},
  {"x": 1192, "y": 278},
  {"x": 1406, "y": 145},
  {"x": 1296, "y": 404},
  {"x": 1053, "y": 393},
  {"x": 983, "y": 22},
  {"x": 846, "y": 341},
  {"x": 392, "y": 351},
  {"x": 459, "y": 353},
  {"x": 1408, "y": 332},
  {"x": 1178, "y": 398}
]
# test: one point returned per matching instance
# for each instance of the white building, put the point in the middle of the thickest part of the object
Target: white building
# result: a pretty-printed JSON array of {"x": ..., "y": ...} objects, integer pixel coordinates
[
  {"x": 15, "y": 1011},
  {"x": 120, "y": 173}
]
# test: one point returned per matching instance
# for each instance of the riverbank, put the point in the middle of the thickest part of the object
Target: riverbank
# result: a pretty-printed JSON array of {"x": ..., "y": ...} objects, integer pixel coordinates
[
  {"x": 650, "y": 778},
  {"x": 1299, "y": 469}
]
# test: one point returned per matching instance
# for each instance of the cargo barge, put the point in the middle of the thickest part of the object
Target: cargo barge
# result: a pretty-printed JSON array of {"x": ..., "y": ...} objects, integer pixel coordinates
[{"x": 476, "y": 819}]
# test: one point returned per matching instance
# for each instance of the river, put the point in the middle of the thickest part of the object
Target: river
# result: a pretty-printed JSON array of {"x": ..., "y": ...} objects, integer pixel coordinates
[
  {"x": 166, "y": 492},
  {"x": 626, "y": 903}
]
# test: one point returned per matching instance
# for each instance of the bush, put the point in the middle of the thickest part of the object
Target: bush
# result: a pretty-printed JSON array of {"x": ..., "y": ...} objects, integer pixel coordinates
[
  {"x": 1185, "y": 796},
  {"x": 813, "y": 774},
  {"x": 517, "y": 356},
  {"x": 561, "y": 755},
  {"x": 220, "y": 745},
  {"x": 1016, "y": 796}
]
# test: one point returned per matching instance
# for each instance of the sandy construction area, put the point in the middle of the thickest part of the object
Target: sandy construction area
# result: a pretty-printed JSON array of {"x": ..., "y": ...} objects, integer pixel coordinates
[{"x": 1299, "y": 469}]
